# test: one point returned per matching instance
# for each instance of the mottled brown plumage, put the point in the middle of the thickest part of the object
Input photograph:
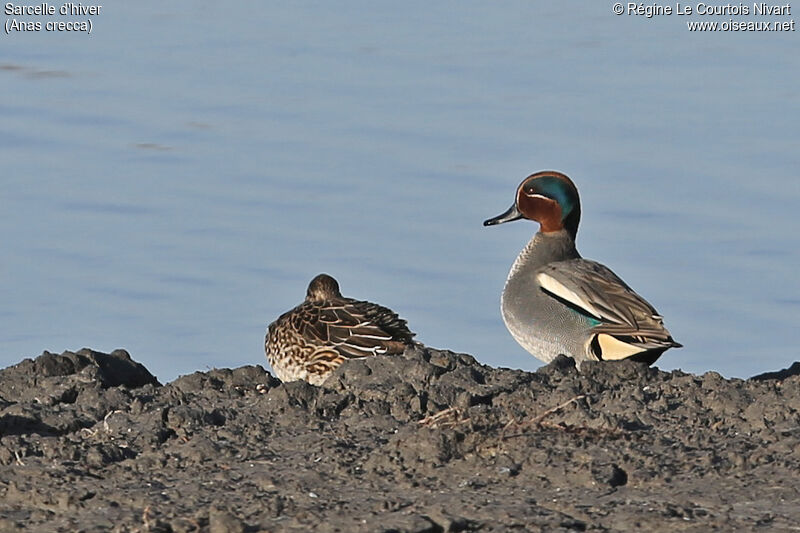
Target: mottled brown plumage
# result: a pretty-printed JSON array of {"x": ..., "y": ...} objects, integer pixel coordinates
[{"x": 310, "y": 341}]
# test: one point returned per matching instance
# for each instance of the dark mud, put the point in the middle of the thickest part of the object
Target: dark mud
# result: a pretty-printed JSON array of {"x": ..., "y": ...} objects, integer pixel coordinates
[{"x": 429, "y": 441}]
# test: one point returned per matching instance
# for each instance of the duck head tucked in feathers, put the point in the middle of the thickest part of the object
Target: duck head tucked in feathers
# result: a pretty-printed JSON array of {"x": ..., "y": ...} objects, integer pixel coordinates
[{"x": 310, "y": 341}]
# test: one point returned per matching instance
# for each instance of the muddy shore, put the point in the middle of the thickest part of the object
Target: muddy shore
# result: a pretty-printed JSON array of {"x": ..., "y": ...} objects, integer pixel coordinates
[{"x": 425, "y": 442}]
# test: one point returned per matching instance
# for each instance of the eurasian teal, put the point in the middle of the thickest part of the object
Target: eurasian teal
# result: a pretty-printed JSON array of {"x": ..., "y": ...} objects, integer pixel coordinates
[
  {"x": 310, "y": 341},
  {"x": 555, "y": 302}
]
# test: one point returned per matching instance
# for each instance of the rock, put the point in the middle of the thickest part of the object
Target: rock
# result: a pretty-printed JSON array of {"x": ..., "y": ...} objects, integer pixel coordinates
[
  {"x": 428, "y": 441},
  {"x": 223, "y": 521}
]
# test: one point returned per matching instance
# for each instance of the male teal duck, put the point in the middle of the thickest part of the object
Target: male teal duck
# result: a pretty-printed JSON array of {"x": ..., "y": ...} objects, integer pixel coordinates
[
  {"x": 555, "y": 302},
  {"x": 310, "y": 341}
]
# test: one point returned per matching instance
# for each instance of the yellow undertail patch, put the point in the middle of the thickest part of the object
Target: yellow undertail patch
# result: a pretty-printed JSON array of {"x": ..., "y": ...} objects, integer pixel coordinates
[{"x": 613, "y": 349}]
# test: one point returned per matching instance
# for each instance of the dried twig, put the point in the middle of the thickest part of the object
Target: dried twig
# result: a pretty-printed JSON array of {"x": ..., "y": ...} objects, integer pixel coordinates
[
  {"x": 557, "y": 408},
  {"x": 446, "y": 417},
  {"x": 146, "y": 518},
  {"x": 537, "y": 420},
  {"x": 105, "y": 420}
]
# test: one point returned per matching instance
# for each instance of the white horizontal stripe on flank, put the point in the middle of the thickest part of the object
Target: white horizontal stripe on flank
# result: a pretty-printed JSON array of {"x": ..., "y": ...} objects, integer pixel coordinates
[{"x": 554, "y": 286}]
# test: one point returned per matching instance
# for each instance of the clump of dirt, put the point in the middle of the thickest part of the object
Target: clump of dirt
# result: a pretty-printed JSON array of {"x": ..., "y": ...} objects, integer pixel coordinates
[{"x": 425, "y": 442}]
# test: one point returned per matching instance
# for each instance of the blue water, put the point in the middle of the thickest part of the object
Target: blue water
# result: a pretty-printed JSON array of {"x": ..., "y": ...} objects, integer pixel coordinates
[{"x": 171, "y": 182}]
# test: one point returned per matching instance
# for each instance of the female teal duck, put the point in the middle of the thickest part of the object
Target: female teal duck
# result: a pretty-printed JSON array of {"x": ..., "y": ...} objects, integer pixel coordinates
[
  {"x": 310, "y": 341},
  {"x": 555, "y": 302}
]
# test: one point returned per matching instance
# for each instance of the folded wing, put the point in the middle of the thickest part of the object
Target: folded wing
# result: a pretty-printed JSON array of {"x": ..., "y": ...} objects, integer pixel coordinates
[
  {"x": 628, "y": 325},
  {"x": 354, "y": 329}
]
